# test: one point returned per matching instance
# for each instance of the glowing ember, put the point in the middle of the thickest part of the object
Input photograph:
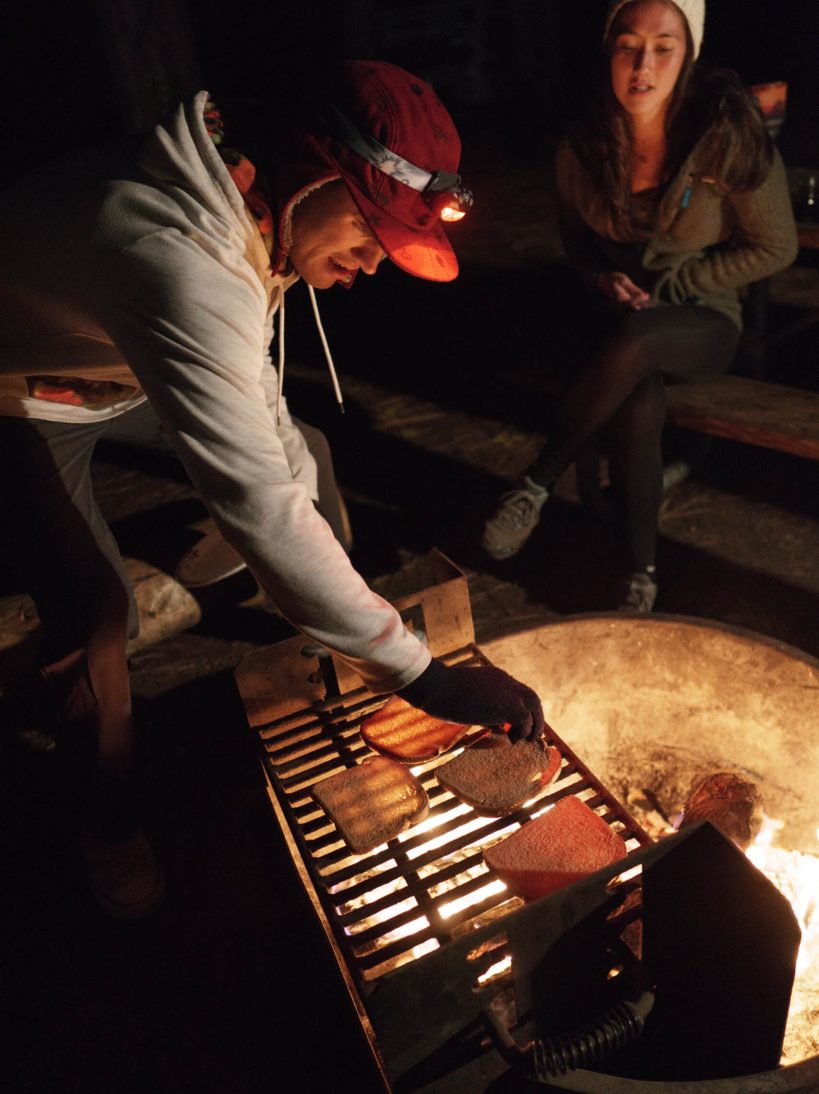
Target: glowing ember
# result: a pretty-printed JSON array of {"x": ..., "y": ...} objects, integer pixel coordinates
[
  {"x": 446, "y": 836},
  {"x": 452, "y": 907},
  {"x": 406, "y": 929},
  {"x": 500, "y": 968}
]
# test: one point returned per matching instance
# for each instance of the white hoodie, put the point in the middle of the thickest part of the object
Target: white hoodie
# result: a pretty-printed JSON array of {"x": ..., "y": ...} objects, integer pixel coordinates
[{"x": 157, "y": 277}]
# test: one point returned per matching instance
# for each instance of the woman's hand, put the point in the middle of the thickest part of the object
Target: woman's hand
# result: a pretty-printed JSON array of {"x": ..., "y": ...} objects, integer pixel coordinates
[{"x": 619, "y": 288}]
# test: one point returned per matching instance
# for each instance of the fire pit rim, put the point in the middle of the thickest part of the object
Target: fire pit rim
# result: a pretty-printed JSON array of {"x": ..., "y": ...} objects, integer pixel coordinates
[{"x": 699, "y": 622}]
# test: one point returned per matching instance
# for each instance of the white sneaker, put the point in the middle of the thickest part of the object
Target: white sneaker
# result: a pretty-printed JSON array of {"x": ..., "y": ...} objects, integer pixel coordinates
[{"x": 208, "y": 561}]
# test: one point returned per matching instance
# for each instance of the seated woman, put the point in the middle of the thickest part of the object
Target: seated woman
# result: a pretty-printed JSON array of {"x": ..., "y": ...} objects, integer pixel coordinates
[{"x": 672, "y": 198}]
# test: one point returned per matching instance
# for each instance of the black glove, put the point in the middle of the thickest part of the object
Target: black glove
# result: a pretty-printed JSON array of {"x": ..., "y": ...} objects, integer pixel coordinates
[{"x": 482, "y": 695}]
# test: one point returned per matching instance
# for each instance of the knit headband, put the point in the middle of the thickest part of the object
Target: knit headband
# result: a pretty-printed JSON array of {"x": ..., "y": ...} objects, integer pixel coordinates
[{"x": 693, "y": 10}]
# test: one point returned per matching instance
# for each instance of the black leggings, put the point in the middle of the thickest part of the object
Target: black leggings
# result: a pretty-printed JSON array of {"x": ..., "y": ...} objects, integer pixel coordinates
[{"x": 618, "y": 402}]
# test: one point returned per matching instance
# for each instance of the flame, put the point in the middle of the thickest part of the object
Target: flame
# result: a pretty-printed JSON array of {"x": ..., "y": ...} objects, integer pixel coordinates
[
  {"x": 451, "y": 907},
  {"x": 434, "y": 843},
  {"x": 500, "y": 968},
  {"x": 796, "y": 875}
]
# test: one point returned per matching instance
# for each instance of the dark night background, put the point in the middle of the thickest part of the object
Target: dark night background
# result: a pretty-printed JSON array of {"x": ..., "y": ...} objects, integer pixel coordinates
[
  {"x": 512, "y": 75},
  {"x": 230, "y": 994},
  {"x": 79, "y": 72}
]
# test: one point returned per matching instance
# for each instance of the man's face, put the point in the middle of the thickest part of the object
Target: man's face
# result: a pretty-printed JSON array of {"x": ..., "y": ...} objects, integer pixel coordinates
[{"x": 331, "y": 239}]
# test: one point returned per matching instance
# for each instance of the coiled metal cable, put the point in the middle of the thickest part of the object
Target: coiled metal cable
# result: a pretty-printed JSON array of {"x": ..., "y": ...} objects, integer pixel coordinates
[{"x": 616, "y": 1029}]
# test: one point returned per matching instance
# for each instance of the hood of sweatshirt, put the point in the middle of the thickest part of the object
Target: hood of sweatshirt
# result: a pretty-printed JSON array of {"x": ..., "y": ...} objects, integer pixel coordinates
[{"x": 181, "y": 153}]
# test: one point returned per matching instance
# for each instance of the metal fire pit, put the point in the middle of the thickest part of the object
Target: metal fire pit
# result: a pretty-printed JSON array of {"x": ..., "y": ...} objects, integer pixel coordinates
[{"x": 418, "y": 925}]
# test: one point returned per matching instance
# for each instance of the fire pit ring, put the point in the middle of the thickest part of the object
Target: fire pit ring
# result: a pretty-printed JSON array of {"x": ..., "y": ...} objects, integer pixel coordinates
[{"x": 653, "y": 703}]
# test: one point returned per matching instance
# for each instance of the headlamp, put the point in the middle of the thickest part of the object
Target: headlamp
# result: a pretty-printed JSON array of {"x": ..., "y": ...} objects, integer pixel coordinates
[
  {"x": 448, "y": 197},
  {"x": 443, "y": 191}
]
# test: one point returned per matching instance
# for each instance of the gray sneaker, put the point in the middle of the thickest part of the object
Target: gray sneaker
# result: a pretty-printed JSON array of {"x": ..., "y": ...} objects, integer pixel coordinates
[
  {"x": 515, "y": 519},
  {"x": 638, "y": 593}
]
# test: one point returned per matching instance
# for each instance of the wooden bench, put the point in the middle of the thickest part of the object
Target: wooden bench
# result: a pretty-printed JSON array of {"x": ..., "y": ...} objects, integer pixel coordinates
[{"x": 753, "y": 411}]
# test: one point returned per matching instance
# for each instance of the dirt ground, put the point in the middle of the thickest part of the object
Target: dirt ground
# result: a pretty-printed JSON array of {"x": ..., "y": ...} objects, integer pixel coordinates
[{"x": 230, "y": 990}]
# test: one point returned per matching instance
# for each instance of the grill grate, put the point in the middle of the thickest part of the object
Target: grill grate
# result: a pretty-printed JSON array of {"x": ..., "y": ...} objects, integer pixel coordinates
[{"x": 428, "y": 885}]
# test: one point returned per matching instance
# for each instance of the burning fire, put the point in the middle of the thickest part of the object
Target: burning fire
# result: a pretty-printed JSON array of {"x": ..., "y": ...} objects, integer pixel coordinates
[{"x": 796, "y": 875}]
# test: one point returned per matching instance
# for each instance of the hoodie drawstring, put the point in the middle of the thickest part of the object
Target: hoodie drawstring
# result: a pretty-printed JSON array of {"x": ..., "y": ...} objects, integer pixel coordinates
[
  {"x": 280, "y": 388},
  {"x": 324, "y": 345}
]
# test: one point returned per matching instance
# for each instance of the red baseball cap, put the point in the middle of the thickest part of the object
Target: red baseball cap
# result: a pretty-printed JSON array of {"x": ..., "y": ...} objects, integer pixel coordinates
[{"x": 404, "y": 114}]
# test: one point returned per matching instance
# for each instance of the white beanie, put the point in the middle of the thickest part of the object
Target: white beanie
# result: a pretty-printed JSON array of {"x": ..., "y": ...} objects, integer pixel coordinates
[{"x": 693, "y": 10}]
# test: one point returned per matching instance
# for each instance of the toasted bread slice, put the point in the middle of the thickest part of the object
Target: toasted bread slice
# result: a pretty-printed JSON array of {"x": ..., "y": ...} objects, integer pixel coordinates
[
  {"x": 407, "y": 734},
  {"x": 496, "y": 777},
  {"x": 372, "y": 802},
  {"x": 555, "y": 849}
]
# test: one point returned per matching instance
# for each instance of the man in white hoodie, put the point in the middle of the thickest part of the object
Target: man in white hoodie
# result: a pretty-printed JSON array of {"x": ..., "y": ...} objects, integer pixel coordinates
[{"x": 158, "y": 276}]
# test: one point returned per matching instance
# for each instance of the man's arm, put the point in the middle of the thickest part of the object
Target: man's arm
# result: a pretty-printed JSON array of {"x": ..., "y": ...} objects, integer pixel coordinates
[
  {"x": 194, "y": 336},
  {"x": 193, "y": 333}
]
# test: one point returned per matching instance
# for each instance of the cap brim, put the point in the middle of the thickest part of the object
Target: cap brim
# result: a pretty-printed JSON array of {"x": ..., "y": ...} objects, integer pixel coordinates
[{"x": 423, "y": 253}]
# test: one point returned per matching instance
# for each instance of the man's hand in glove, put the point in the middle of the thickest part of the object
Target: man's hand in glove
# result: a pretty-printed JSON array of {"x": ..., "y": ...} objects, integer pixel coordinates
[{"x": 484, "y": 695}]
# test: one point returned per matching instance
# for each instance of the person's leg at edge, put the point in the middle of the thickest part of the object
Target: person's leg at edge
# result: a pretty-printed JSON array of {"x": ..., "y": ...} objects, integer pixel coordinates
[
  {"x": 65, "y": 554},
  {"x": 212, "y": 559},
  {"x": 330, "y": 503}
]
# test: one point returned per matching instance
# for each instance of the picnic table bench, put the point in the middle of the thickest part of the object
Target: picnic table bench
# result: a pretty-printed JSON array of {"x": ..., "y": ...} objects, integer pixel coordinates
[{"x": 753, "y": 411}]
